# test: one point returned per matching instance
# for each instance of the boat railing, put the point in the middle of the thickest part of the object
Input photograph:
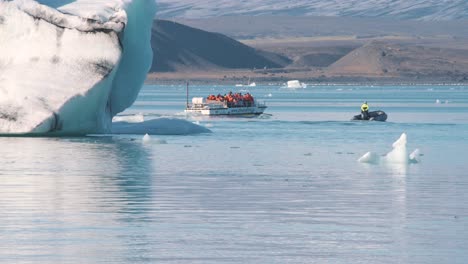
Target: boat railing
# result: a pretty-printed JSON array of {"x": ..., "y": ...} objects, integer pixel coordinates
[{"x": 216, "y": 104}]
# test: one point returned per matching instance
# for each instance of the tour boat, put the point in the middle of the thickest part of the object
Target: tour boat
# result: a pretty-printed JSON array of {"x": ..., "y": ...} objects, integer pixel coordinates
[
  {"x": 203, "y": 106},
  {"x": 230, "y": 104}
]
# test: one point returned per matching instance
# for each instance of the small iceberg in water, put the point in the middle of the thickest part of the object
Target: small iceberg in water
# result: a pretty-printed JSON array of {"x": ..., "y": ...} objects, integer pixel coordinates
[
  {"x": 398, "y": 155},
  {"x": 414, "y": 156},
  {"x": 146, "y": 138},
  {"x": 295, "y": 84}
]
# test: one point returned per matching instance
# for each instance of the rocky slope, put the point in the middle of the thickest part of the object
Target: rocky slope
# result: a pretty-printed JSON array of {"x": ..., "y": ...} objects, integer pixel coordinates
[{"x": 181, "y": 48}]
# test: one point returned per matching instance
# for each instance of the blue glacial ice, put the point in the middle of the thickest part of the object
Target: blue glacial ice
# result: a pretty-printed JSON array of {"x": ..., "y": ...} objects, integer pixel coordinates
[
  {"x": 159, "y": 126},
  {"x": 68, "y": 67}
]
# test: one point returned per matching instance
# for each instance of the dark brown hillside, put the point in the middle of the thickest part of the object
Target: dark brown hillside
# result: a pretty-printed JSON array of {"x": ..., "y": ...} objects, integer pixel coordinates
[
  {"x": 181, "y": 48},
  {"x": 311, "y": 50},
  {"x": 389, "y": 59}
]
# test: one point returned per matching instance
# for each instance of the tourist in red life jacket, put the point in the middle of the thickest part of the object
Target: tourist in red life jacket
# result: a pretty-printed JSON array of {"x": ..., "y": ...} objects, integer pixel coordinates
[{"x": 249, "y": 99}]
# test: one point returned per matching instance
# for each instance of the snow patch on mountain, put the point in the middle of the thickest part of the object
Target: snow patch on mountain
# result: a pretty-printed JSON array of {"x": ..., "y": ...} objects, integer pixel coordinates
[{"x": 401, "y": 9}]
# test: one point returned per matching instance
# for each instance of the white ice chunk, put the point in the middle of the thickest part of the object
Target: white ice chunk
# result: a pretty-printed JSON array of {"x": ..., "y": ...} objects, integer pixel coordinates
[
  {"x": 295, "y": 84},
  {"x": 398, "y": 155},
  {"x": 414, "y": 156},
  {"x": 146, "y": 138},
  {"x": 370, "y": 157}
]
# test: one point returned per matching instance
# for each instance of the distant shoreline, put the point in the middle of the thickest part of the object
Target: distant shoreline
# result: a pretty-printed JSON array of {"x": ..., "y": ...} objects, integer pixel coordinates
[
  {"x": 397, "y": 53},
  {"x": 182, "y": 79}
]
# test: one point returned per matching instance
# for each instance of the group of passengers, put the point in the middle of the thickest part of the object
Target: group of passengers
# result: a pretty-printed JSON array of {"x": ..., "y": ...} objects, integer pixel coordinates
[{"x": 234, "y": 99}]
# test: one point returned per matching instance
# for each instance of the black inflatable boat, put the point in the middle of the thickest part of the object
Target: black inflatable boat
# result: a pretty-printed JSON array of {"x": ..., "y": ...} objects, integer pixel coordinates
[{"x": 373, "y": 116}]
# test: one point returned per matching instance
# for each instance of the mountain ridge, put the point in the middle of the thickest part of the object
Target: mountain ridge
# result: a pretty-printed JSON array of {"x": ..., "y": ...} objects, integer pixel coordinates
[
  {"x": 179, "y": 47},
  {"x": 431, "y": 10},
  {"x": 183, "y": 52}
]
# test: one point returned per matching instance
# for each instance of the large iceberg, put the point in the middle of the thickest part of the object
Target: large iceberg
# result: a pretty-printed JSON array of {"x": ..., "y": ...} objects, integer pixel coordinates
[{"x": 67, "y": 67}]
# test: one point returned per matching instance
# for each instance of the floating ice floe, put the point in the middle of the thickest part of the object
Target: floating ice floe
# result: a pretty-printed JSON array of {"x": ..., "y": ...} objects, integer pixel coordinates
[
  {"x": 414, "y": 157},
  {"x": 295, "y": 84},
  {"x": 438, "y": 101},
  {"x": 159, "y": 126},
  {"x": 398, "y": 155}
]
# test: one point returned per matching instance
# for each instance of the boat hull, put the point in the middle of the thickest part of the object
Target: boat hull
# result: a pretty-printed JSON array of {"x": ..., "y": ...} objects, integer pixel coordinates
[
  {"x": 253, "y": 110},
  {"x": 373, "y": 116}
]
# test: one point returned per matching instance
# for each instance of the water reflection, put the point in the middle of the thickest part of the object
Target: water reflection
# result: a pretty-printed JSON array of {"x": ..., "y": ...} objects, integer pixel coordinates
[
  {"x": 392, "y": 177},
  {"x": 397, "y": 169},
  {"x": 62, "y": 190}
]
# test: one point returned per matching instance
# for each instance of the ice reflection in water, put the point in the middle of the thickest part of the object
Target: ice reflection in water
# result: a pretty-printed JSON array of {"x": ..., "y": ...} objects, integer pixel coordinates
[{"x": 73, "y": 200}]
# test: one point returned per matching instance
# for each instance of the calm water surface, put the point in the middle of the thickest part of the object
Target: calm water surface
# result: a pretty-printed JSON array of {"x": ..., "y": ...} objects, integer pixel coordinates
[{"x": 284, "y": 187}]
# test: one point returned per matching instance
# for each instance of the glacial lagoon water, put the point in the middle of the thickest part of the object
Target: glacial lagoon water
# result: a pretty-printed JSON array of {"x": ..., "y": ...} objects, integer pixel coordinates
[{"x": 284, "y": 187}]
